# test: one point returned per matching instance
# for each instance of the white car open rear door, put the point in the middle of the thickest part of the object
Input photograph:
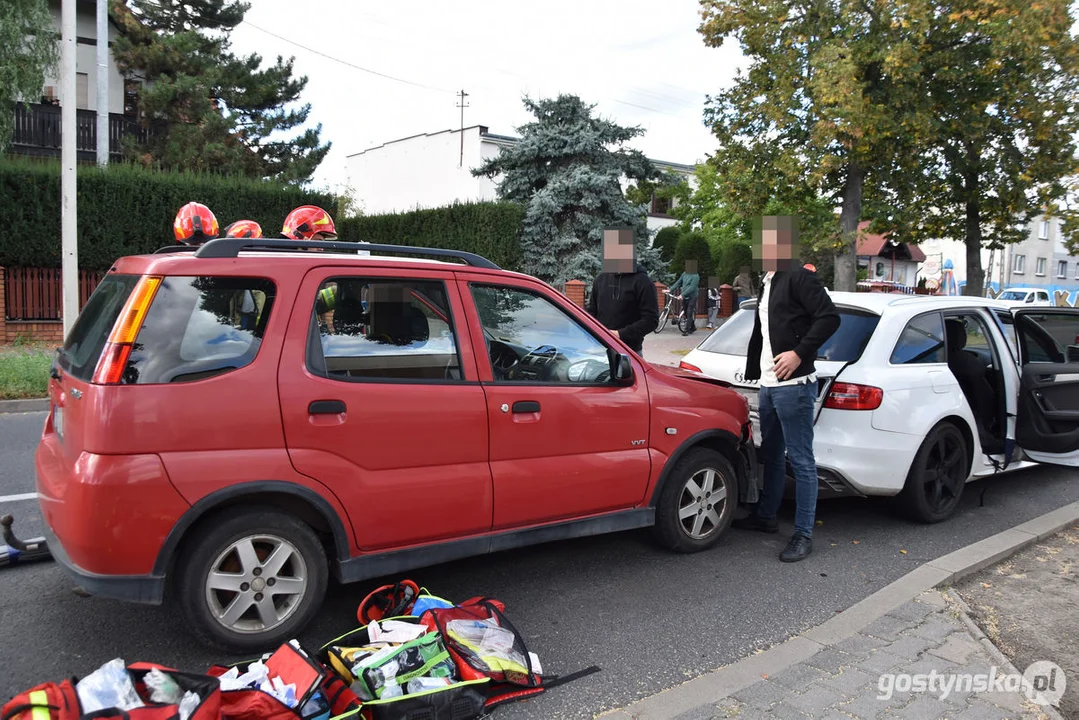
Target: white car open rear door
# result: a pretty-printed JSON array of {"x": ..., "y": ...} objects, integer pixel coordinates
[{"x": 1047, "y": 426}]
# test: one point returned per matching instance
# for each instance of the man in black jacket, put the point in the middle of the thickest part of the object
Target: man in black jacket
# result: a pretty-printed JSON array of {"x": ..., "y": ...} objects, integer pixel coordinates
[
  {"x": 623, "y": 297},
  {"x": 794, "y": 318}
]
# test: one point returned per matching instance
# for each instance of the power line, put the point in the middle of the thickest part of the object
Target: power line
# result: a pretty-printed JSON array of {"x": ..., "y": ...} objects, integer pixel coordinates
[{"x": 344, "y": 62}]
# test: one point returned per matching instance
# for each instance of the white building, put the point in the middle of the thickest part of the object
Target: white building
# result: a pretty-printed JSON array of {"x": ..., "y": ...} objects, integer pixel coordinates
[
  {"x": 37, "y": 123},
  {"x": 86, "y": 62},
  {"x": 435, "y": 169},
  {"x": 1041, "y": 260}
]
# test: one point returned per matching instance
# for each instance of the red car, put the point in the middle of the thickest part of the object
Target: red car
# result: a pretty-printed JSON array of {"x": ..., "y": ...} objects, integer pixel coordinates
[{"x": 233, "y": 422}]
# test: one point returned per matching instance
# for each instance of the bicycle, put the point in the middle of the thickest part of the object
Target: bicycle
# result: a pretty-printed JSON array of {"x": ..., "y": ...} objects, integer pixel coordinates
[{"x": 681, "y": 318}]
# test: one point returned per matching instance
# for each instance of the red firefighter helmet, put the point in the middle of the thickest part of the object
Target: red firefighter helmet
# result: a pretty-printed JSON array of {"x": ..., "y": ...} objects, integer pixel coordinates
[
  {"x": 810, "y": 267},
  {"x": 194, "y": 224},
  {"x": 244, "y": 229},
  {"x": 308, "y": 222}
]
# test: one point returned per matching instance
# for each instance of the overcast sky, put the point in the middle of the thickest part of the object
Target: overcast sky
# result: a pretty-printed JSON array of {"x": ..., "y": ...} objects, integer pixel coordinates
[{"x": 641, "y": 62}]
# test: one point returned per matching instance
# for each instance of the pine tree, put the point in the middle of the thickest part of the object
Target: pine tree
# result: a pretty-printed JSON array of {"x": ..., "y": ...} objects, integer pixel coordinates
[
  {"x": 566, "y": 170},
  {"x": 28, "y": 50},
  {"x": 219, "y": 112}
]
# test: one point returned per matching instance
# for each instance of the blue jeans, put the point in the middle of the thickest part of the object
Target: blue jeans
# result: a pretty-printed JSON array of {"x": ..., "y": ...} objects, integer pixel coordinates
[{"x": 786, "y": 415}]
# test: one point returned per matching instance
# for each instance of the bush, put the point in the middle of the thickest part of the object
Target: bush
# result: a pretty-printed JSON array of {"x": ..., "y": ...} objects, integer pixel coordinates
[
  {"x": 666, "y": 241},
  {"x": 731, "y": 256},
  {"x": 126, "y": 209},
  {"x": 489, "y": 229}
]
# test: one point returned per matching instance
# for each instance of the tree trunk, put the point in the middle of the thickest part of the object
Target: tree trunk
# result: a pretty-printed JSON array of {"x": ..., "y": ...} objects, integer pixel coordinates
[
  {"x": 975, "y": 274},
  {"x": 846, "y": 260}
]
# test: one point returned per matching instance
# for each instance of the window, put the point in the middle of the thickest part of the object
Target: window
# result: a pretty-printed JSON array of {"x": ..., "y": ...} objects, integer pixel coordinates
[
  {"x": 922, "y": 341},
  {"x": 845, "y": 344},
  {"x": 1043, "y": 230},
  {"x": 82, "y": 91},
  {"x": 378, "y": 330},
  {"x": 1039, "y": 268},
  {"x": 1062, "y": 268},
  {"x": 977, "y": 341},
  {"x": 532, "y": 340},
  {"x": 1048, "y": 337},
  {"x": 1019, "y": 264},
  {"x": 1007, "y": 326},
  {"x": 87, "y": 338},
  {"x": 199, "y": 327},
  {"x": 661, "y": 205}
]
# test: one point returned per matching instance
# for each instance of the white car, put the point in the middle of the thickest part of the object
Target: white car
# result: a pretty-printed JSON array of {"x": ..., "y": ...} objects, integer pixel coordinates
[
  {"x": 892, "y": 418},
  {"x": 1025, "y": 296}
]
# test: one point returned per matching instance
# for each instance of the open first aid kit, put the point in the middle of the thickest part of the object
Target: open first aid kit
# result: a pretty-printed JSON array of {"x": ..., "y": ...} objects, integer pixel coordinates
[{"x": 415, "y": 656}]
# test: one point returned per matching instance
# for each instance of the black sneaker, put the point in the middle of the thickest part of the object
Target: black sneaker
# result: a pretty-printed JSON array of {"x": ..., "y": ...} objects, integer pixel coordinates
[
  {"x": 797, "y": 549},
  {"x": 752, "y": 522}
]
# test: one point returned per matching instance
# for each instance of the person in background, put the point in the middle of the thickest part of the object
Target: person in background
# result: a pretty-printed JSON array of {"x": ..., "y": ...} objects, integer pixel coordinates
[
  {"x": 688, "y": 285},
  {"x": 794, "y": 317},
  {"x": 743, "y": 285},
  {"x": 623, "y": 298},
  {"x": 713, "y": 303}
]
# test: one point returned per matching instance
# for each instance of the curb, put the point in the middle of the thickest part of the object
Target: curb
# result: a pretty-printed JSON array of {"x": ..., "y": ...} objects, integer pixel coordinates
[
  {"x": 24, "y": 406},
  {"x": 712, "y": 687},
  {"x": 963, "y": 611}
]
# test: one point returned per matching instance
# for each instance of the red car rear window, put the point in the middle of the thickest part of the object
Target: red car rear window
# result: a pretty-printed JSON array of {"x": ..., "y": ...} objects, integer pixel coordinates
[
  {"x": 91, "y": 331},
  {"x": 198, "y": 327}
]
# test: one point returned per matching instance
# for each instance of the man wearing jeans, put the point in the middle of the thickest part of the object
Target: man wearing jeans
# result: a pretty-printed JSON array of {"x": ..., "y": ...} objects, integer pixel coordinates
[{"x": 794, "y": 318}]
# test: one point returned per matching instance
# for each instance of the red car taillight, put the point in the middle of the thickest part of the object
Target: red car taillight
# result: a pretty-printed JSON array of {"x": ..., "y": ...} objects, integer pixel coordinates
[
  {"x": 849, "y": 396},
  {"x": 686, "y": 366},
  {"x": 110, "y": 368}
]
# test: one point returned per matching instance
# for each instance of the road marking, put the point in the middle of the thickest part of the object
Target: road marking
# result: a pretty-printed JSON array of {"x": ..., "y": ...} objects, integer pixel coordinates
[{"x": 17, "y": 498}]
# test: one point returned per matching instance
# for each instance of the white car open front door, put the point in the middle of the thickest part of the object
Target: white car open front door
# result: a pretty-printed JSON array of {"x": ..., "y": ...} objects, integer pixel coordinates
[{"x": 1047, "y": 426}]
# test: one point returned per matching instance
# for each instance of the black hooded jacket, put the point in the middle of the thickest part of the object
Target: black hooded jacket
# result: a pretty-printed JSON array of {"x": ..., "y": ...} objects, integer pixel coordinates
[{"x": 625, "y": 302}]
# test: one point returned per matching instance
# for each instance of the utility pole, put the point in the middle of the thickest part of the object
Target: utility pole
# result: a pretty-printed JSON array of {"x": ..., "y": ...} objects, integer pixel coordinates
[
  {"x": 68, "y": 223},
  {"x": 102, "y": 82},
  {"x": 462, "y": 105}
]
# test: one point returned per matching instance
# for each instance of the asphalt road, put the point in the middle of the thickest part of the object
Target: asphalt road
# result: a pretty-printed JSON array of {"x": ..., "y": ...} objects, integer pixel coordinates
[{"x": 650, "y": 619}]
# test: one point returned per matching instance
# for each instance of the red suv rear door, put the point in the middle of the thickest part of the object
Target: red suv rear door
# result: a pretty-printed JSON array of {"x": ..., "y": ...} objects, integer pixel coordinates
[
  {"x": 566, "y": 442},
  {"x": 381, "y": 403}
]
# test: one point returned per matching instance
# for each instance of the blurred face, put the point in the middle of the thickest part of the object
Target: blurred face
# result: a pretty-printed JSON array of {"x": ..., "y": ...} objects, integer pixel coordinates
[
  {"x": 619, "y": 250},
  {"x": 691, "y": 267},
  {"x": 775, "y": 242}
]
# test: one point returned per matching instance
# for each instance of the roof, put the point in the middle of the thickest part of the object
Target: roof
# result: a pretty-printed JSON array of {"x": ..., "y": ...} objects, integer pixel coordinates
[
  {"x": 879, "y": 302},
  {"x": 509, "y": 141},
  {"x": 870, "y": 245},
  {"x": 482, "y": 128}
]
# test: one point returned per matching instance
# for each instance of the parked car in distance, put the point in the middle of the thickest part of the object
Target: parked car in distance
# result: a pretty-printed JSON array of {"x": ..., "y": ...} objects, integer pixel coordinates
[
  {"x": 1025, "y": 296},
  {"x": 892, "y": 416},
  {"x": 231, "y": 423}
]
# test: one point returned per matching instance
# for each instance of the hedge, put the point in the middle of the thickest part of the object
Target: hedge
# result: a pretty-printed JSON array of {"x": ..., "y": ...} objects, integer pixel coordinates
[
  {"x": 125, "y": 209},
  {"x": 489, "y": 229}
]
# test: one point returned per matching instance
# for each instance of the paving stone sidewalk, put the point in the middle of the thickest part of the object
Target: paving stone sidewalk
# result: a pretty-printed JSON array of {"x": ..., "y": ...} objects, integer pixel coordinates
[{"x": 843, "y": 682}]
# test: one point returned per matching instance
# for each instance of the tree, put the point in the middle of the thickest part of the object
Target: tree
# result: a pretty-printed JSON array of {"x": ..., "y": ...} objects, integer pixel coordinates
[
  {"x": 28, "y": 51},
  {"x": 222, "y": 113},
  {"x": 666, "y": 241},
  {"x": 567, "y": 170},
  {"x": 1003, "y": 84},
  {"x": 829, "y": 100}
]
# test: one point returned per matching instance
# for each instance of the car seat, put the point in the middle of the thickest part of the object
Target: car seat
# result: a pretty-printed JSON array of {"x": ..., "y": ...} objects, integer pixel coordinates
[{"x": 972, "y": 377}]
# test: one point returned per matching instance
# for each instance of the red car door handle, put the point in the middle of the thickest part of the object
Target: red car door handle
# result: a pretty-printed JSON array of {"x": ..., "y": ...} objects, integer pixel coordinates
[
  {"x": 526, "y": 406},
  {"x": 327, "y": 407}
]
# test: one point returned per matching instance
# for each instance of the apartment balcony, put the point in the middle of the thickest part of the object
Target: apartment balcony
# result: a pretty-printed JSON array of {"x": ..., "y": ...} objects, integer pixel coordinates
[{"x": 37, "y": 132}]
